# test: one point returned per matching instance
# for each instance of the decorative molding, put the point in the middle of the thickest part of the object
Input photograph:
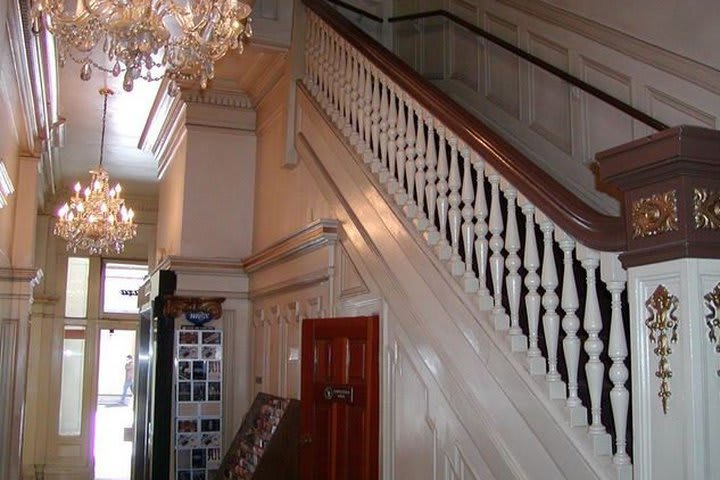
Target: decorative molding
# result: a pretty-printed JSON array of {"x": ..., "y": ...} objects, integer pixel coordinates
[
  {"x": 289, "y": 285},
  {"x": 200, "y": 265},
  {"x": 706, "y": 209},
  {"x": 313, "y": 236},
  {"x": 654, "y": 215},
  {"x": 712, "y": 319},
  {"x": 677, "y": 65},
  {"x": 176, "y": 306},
  {"x": 662, "y": 322},
  {"x": 218, "y": 98}
]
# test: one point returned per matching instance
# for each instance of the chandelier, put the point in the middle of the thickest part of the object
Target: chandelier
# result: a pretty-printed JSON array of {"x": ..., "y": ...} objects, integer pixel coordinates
[
  {"x": 151, "y": 39},
  {"x": 96, "y": 218}
]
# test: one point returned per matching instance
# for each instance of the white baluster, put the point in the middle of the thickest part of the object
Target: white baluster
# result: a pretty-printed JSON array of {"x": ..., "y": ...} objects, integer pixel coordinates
[
  {"x": 432, "y": 236},
  {"x": 410, "y": 208},
  {"x": 513, "y": 281},
  {"x": 334, "y": 86},
  {"x": 571, "y": 324},
  {"x": 420, "y": 219},
  {"x": 366, "y": 151},
  {"x": 531, "y": 260},
  {"x": 615, "y": 277},
  {"x": 347, "y": 86},
  {"x": 481, "y": 229},
  {"x": 309, "y": 79},
  {"x": 400, "y": 195},
  {"x": 391, "y": 184},
  {"x": 375, "y": 124},
  {"x": 384, "y": 112},
  {"x": 324, "y": 67},
  {"x": 360, "y": 140},
  {"x": 342, "y": 82},
  {"x": 500, "y": 319},
  {"x": 354, "y": 97},
  {"x": 456, "y": 264},
  {"x": 551, "y": 320},
  {"x": 469, "y": 280},
  {"x": 594, "y": 368},
  {"x": 442, "y": 249}
]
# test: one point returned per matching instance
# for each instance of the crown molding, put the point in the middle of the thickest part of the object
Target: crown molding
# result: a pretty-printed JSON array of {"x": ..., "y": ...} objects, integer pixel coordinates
[
  {"x": 311, "y": 237},
  {"x": 185, "y": 264}
]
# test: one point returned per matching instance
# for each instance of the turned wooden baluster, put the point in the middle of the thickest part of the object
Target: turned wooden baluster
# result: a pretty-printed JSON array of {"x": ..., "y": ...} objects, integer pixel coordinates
[
  {"x": 513, "y": 281},
  {"x": 594, "y": 368},
  {"x": 354, "y": 97},
  {"x": 531, "y": 260},
  {"x": 375, "y": 124},
  {"x": 442, "y": 249},
  {"x": 454, "y": 182},
  {"x": 571, "y": 325},
  {"x": 481, "y": 230},
  {"x": 309, "y": 79},
  {"x": 496, "y": 259},
  {"x": 392, "y": 144},
  {"x": 400, "y": 195},
  {"x": 432, "y": 236},
  {"x": 420, "y": 219},
  {"x": 360, "y": 140},
  {"x": 366, "y": 151},
  {"x": 324, "y": 66},
  {"x": 551, "y": 320},
  {"x": 347, "y": 87},
  {"x": 342, "y": 81},
  {"x": 410, "y": 207},
  {"x": 383, "y": 137},
  {"x": 333, "y": 82},
  {"x": 615, "y": 277},
  {"x": 470, "y": 281}
]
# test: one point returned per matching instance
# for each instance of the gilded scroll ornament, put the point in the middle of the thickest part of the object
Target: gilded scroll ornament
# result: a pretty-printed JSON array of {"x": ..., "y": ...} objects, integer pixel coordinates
[
  {"x": 706, "y": 209},
  {"x": 712, "y": 302},
  {"x": 176, "y": 306},
  {"x": 654, "y": 215},
  {"x": 663, "y": 330}
]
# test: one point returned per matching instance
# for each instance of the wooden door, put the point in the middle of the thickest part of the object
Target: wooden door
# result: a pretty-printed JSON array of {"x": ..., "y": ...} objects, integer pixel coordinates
[{"x": 339, "y": 399}]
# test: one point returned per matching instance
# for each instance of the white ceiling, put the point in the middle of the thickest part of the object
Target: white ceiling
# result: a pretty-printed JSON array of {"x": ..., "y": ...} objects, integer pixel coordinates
[{"x": 81, "y": 106}]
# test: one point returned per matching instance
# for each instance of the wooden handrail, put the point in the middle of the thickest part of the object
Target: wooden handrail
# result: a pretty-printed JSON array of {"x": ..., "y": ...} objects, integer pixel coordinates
[
  {"x": 592, "y": 228},
  {"x": 355, "y": 9},
  {"x": 595, "y": 92}
]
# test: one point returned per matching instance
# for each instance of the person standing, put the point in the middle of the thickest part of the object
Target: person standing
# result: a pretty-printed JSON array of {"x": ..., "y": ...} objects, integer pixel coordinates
[{"x": 129, "y": 378}]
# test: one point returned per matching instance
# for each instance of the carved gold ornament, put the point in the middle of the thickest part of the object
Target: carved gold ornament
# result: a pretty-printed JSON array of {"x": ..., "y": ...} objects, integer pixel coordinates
[
  {"x": 654, "y": 215},
  {"x": 706, "y": 207},
  {"x": 663, "y": 330},
  {"x": 712, "y": 302},
  {"x": 176, "y": 306}
]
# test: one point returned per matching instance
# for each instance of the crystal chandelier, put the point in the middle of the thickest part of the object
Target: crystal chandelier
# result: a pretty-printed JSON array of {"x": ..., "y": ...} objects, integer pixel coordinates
[
  {"x": 96, "y": 218},
  {"x": 151, "y": 39}
]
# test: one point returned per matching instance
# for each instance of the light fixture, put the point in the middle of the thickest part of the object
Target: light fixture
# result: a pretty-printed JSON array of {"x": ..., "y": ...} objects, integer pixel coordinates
[
  {"x": 151, "y": 39},
  {"x": 96, "y": 218}
]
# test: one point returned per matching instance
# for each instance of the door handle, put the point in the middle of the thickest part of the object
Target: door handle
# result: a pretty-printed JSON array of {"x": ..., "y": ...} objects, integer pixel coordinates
[{"x": 305, "y": 440}]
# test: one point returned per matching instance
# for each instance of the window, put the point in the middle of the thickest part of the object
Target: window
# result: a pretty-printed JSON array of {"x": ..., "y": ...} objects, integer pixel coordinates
[
  {"x": 76, "y": 287},
  {"x": 121, "y": 282},
  {"x": 71, "y": 381}
]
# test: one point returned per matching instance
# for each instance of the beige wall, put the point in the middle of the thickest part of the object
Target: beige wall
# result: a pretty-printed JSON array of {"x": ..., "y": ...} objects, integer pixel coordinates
[
  {"x": 170, "y": 203},
  {"x": 286, "y": 199}
]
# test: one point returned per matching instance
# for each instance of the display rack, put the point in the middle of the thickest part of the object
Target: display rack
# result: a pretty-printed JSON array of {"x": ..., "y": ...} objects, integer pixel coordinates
[
  {"x": 198, "y": 403},
  {"x": 265, "y": 447}
]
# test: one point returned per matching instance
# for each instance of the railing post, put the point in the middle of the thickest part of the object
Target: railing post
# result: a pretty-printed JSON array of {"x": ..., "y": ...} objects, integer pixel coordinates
[{"x": 671, "y": 187}]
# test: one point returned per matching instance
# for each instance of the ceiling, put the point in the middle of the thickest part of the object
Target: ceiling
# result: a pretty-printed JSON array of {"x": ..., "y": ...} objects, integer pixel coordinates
[{"x": 252, "y": 73}]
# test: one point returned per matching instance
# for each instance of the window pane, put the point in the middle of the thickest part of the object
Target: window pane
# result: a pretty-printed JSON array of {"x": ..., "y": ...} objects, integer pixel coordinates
[
  {"x": 122, "y": 281},
  {"x": 76, "y": 291},
  {"x": 71, "y": 381}
]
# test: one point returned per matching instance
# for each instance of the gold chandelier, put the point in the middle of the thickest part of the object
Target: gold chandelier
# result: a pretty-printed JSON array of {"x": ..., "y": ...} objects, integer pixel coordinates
[
  {"x": 97, "y": 219},
  {"x": 151, "y": 39}
]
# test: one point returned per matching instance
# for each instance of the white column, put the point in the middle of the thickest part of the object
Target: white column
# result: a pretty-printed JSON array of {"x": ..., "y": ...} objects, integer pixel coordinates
[{"x": 683, "y": 441}]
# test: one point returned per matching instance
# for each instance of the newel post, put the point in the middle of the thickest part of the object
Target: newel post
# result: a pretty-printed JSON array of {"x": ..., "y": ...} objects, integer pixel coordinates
[{"x": 671, "y": 187}]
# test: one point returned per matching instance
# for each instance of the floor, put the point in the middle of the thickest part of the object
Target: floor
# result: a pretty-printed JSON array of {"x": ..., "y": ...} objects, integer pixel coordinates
[{"x": 112, "y": 453}]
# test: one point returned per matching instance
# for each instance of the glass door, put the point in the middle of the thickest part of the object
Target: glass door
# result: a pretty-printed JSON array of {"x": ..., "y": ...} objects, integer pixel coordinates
[{"x": 115, "y": 404}]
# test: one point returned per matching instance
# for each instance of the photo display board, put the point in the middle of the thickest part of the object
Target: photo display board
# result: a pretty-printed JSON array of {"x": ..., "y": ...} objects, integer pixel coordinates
[{"x": 198, "y": 402}]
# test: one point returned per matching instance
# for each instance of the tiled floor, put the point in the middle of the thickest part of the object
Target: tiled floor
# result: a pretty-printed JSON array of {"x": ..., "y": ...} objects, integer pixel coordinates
[{"x": 112, "y": 453}]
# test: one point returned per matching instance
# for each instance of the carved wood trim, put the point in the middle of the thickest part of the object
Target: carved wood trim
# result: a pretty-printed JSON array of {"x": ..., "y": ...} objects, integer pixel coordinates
[
  {"x": 594, "y": 229},
  {"x": 176, "y": 306}
]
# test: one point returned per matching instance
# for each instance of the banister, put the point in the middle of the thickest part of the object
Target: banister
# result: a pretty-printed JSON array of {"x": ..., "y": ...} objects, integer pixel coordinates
[
  {"x": 594, "y": 91},
  {"x": 592, "y": 228},
  {"x": 357, "y": 10}
]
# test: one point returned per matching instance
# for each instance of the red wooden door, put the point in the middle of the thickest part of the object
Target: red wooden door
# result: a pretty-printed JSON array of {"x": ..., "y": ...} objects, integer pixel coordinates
[{"x": 339, "y": 399}]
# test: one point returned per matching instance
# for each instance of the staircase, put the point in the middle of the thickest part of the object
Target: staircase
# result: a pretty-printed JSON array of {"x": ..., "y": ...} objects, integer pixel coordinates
[{"x": 515, "y": 283}]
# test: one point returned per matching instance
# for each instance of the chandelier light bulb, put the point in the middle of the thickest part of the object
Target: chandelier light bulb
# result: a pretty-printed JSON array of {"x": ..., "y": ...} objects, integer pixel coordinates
[{"x": 148, "y": 39}]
